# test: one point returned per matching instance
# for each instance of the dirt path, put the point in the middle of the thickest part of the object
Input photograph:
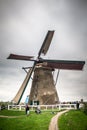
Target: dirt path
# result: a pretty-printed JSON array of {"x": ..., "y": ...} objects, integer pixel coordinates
[
  {"x": 54, "y": 121},
  {"x": 2, "y": 116}
]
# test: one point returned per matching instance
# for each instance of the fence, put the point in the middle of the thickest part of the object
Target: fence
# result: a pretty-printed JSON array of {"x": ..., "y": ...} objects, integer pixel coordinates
[{"x": 43, "y": 107}]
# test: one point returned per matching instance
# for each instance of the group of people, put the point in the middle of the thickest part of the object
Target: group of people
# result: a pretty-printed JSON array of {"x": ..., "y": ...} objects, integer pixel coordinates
[{"x": 27, "y": 110}]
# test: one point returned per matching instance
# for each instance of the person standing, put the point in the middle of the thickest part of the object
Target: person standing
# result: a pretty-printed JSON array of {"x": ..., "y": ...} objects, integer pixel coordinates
[
  {"x": 27, "y": 99},
  {"x": 27, "y": 110},
  {"x": 77, "y": 105}
]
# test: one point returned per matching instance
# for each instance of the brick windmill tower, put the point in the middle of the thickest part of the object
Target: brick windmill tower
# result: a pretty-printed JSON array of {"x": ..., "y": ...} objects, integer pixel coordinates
[{"x": 43, "y": 90}]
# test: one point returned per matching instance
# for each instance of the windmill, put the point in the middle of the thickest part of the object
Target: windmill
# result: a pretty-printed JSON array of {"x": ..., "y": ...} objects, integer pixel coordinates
[{"x": 43, "y": 89}]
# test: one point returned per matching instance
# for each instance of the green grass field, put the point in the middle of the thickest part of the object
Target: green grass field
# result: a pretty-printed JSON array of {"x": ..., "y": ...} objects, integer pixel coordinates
[
  {"x": 73, "y": 120},
  {"x": 22, "y": 122}
]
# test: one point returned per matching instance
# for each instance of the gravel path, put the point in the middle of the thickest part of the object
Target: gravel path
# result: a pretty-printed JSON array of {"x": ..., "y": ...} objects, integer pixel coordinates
[{"x": 54, "y": 121}]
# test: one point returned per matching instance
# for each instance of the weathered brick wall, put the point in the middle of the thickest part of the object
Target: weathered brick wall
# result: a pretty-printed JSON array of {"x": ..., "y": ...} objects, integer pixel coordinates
[{"x": 43, "y": 88}]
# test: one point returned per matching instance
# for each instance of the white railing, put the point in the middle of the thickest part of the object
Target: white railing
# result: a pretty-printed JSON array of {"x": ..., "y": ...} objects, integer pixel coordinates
[
  {"x": 67, "y": 106},
  {"x": 43, "y": 107}
]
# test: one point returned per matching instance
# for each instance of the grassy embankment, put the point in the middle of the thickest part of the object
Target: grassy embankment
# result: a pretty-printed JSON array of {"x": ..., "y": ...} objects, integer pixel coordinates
[{"x": 73, "y": 120}]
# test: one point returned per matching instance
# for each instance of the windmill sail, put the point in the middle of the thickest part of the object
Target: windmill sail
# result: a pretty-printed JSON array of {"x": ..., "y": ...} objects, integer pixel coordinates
[
  {"x": 63, "y": 64},
  {"x": 46, "y": 43},
  {"x": 19, "y": 57},
  {"x": 18, "y": 96}
]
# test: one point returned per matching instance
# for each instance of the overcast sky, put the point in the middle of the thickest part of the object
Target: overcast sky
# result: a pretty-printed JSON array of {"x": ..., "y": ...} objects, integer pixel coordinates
[{"x": 23, "y": 27}]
